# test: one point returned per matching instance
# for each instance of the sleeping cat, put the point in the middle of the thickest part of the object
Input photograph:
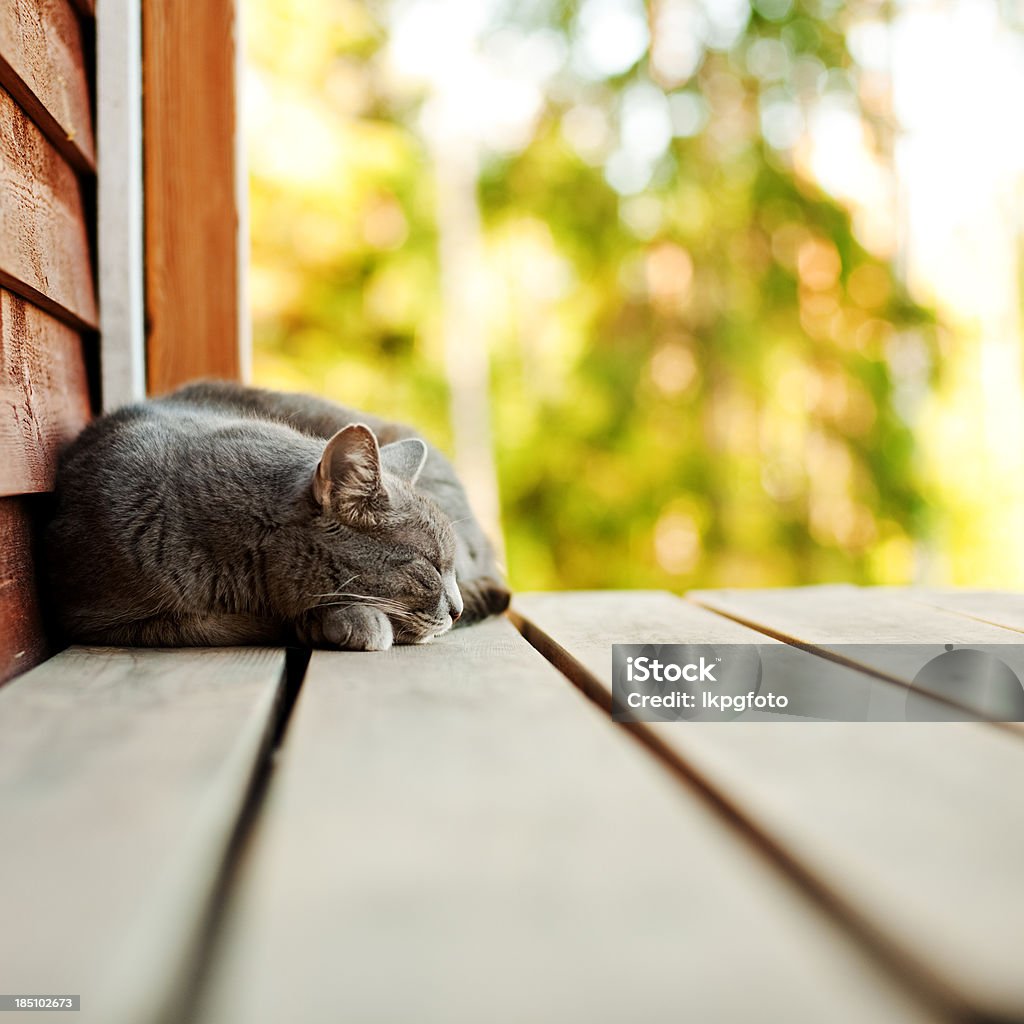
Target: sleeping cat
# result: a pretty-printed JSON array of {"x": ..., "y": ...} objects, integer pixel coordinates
[{"x": 222, "y": 514}]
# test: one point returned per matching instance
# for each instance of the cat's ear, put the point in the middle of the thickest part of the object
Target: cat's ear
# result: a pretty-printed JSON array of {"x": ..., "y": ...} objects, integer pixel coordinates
[
  {"x": 348, "y": 474},
  {"x": 404, "y": 459}
]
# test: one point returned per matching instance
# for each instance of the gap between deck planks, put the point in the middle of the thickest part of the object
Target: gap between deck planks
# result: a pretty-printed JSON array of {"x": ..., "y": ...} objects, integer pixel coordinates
[
  {"x": 912, "y": 833},
  {"x": 998, "y": 608},
  {"x": 877, "y": 630},
  {"x": 452, "y": 833},
  {"x": 123, "y": 774}
]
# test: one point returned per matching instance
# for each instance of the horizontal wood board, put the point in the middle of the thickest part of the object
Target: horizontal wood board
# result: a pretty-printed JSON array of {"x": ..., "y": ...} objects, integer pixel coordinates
[
  {"x": 122, "y": 777},
  {"x": 44, "y": 394},
  {"x": 454, "y": 834},
  {"x": 877, "y": 630},
  {"x": 44, "y": 243},
  {"x": 22, "y": 639},
  {"x": 914, "y": 832},
  {"x": 997, "y": 607},
  {"x": 43, "y": 66}
]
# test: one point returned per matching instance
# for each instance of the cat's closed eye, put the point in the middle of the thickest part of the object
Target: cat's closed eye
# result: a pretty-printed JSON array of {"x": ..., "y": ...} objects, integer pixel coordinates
[{"x": 425, "y": 574}]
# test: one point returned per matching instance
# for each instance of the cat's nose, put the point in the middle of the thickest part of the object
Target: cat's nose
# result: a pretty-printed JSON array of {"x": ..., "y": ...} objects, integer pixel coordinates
[{"x": 454, "y": 603}]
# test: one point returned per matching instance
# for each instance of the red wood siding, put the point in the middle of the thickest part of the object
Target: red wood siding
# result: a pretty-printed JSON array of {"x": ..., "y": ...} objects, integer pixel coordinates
[
  {"x": 22, "y": 639},
  {"x": 42, "y": 65},
  {"x": 44, "y": 243},
  {"x": 43, "y": 394},
  {"x": 48, "y": 311}
]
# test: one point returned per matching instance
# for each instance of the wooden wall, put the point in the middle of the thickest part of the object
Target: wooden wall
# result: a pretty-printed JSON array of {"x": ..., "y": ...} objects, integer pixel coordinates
[
  {"x": 193, "y": 256},
  {"x": 48, "y": 313}
]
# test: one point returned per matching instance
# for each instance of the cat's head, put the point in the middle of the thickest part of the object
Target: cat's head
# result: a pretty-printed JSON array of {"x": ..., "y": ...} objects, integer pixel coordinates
[{"x": 390, "y": 546}]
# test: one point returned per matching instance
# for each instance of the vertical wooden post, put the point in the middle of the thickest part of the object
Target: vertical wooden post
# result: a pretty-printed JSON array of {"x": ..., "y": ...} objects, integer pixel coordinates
[
  {"x": 119, "y": 202},
  {"x": 194, "y": 202}
]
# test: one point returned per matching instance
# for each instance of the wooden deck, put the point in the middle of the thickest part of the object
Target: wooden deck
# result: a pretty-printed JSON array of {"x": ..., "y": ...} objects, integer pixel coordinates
[{"x": 459, "y": 832}]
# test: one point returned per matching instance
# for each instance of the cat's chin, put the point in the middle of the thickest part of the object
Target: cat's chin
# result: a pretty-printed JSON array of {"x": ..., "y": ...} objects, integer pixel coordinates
[{"x": 428, "y": 637}]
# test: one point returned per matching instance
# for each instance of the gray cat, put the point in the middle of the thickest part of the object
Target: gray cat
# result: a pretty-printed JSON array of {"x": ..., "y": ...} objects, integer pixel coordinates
[{"x": 229, "y": 515}]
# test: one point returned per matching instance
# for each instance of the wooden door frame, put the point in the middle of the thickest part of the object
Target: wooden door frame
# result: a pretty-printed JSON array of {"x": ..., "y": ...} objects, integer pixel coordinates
[
  {"x": 119, "y": 202},
  {"x": 173, "y": 228}
]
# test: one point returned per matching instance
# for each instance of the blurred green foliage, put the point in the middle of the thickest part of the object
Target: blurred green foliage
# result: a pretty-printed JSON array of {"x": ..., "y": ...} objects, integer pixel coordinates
[{"x": 696, "y": 377}]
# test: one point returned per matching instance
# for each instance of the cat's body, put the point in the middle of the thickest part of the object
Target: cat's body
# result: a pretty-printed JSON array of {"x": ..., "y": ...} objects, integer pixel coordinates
[{"x": 230, "y": 515}]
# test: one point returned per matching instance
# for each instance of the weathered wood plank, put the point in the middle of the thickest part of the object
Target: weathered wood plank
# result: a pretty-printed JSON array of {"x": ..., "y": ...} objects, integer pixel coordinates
[
  {"x": 839, "y": 614},
  {"x": 997, "y": 607},
  {"x": 42, "y": 66},
  {"x": 44, "y": 246},
  {"x": 889, "y": 632},
  {"x": 44, "y": 395},
  {"x": 22, "y": 640},
  {"x": 914, "y": 833},
  {"x": 454, "y": 834},
  {"x": 194, "y": 198},
  {"x": 122, "y": 777}
]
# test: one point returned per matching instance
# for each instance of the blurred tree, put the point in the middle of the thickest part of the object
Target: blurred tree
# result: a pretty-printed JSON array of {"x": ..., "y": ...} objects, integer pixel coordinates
[{"x": 701, "y": 373}]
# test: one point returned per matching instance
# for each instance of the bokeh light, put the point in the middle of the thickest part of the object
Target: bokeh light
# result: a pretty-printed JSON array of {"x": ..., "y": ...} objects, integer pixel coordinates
[{"x": 698, "y": 292}]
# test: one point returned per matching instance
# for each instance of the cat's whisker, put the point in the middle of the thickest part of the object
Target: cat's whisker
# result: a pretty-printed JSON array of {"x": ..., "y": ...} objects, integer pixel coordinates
[
  {"x": 389, "y": 608},
  {"x": 346, "y": 593},
  {"x": 339, "y": 593}
]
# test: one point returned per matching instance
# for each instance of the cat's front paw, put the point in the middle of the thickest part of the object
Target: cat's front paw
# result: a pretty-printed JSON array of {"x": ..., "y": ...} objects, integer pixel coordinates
[
  {"x": 357, "y": 628},
  {"x": 482, "y": 597}
]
